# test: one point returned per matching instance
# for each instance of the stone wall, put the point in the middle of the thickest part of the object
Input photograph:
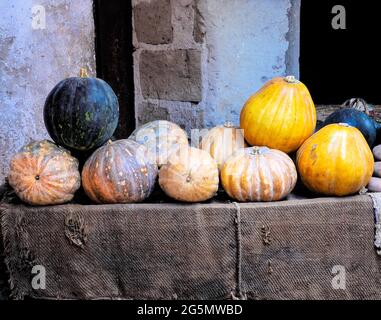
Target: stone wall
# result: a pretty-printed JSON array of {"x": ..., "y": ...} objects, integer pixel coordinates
[
  {"x": 33, "y": 58},
  {"x": 197, "y": 61}
]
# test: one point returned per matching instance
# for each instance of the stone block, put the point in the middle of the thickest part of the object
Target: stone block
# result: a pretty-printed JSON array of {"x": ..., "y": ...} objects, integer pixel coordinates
[
  {"x": 171, "y": 75},
  {"x": 153, "y": 23},
  {"x": 147, "y": 112}
]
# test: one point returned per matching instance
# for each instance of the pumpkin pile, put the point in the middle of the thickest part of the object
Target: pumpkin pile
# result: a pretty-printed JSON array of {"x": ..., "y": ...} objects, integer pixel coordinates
[{"x": 252, "y": 162}]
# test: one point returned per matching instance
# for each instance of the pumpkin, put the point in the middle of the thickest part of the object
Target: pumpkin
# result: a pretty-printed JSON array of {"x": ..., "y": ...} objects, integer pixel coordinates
[
  {"x": 42, "y": 173},
  {"x": 357, "y": 119},
  {"x": 161, "y": 137},
  {"x": 258, "y": 174},
  {"x": 81, "y": 113},
  {"x": 222, "y": 141},
  {"x": 119, "y": 172},
  {"x": 281, "y": 115},
  {"x": 190, "y": 175},
  {"x": 377, "y": 152},
  {"x": 335, "y": 161}
]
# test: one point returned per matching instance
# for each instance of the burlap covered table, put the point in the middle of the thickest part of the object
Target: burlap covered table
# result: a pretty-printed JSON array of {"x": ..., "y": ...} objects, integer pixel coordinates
[{"x": 282, "y": 250}]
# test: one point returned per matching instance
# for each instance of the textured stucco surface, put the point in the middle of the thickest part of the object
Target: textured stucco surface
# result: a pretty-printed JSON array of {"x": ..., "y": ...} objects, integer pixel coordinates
[
  {"x": 32, "y": 61},
  {"x": 248, "y": 43}
]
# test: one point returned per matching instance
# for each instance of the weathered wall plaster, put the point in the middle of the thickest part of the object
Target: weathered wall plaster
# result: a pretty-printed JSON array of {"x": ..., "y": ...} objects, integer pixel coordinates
[
  {"x": 248, "y": 43},
  {"x": 33, "y": 60},
  {"x": 239, "y": 45}
]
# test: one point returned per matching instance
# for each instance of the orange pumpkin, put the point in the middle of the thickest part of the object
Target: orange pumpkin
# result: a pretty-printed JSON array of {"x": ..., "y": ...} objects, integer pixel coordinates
[
  {"x": 281, "y": 115},
  {"x": 161, "y": 138},
  {"x": 222, "y": 141},
  {"x": 335, "y": 161},
  {"x": 191, "y": 175},
  {"x": 258, "y": 174},
  {"x": 44, "y": 174},
  {"x": 119, "y": 172}
]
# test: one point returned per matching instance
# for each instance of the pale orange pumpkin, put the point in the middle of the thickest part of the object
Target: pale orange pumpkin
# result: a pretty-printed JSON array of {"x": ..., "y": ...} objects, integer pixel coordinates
[
  {"x": 161, "y": 137},
  {"x": 258, "y": 174},
  {"x": 335, "y": 161},
  {"x": 281, "y": 115},
  {"x": 222, "y": 141},
  {"x": 190, "y": 175},
  {"x": 119, "y": 172},
  {"x": 44, "y": 174}
]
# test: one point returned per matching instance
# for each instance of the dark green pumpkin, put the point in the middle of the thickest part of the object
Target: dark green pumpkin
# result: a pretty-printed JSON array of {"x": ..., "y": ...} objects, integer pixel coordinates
[
  {"x": 357, "y": 119},
  {"x": 81, "y": 113}
]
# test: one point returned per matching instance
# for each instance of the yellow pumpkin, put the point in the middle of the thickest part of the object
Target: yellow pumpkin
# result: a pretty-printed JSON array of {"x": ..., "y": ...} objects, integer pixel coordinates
[
  {"x": 281, "y": 115},
  {"x": 335, "y": 161},
  {"x": 190, "y": 175},
  {"x": 258, "y": 174},
  {"x": 222, "y": 141}
]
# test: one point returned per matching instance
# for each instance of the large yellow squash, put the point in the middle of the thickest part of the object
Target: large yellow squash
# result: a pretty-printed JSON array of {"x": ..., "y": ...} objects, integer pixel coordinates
[
  {"x": 335, "y": 161},
  {"x": 281, "y": 115}
]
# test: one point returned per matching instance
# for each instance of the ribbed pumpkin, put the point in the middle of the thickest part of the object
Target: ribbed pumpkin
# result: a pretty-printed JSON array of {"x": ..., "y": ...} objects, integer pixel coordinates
[
  {"x": 258, "y": 174},
  {"x": 161, "y": 137},
  {"x": 119, "y": 172},
  {"x": 44, "y": 174},
  {"x": 281, "y": 115},
  {"x": 222, "y": 141},
  {"x": 190, "y": 175},
  {"x": 335, "y": 161},
  {"x": 81, "y": 113}
]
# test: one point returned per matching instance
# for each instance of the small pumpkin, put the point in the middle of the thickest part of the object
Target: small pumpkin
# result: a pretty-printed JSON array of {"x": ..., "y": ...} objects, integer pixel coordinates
[
  {"x": 222, "y": 141},
  {"x": 357, "y": 119},
  {"x": 281, "y": 115},
  {"x": 190, "y": 175},
  {"x": 335, "y": 161},
  {"x": 258, "y": 174},
  {"x": 42, "y": 173},
  {"x": 119, "y": 172},
  {"x": 81, "y": 113},
  {"x": 161, "y": 137}
]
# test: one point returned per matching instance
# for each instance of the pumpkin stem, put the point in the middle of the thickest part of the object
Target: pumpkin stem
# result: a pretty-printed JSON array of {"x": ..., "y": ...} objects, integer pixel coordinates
[
  {"x": 83, "y": 72},
  {"x": 343, "y": 124},
  {"x": 291, "y": 79},
  {"x": 258, "y": 150}
]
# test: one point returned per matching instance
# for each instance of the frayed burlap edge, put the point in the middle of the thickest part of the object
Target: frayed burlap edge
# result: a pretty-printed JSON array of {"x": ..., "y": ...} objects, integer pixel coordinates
[{"x": 376, "y": 198}]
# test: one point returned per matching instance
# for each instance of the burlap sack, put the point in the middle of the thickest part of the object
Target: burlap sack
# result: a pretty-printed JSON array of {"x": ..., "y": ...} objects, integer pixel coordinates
[{"x": 283, "y": 250}]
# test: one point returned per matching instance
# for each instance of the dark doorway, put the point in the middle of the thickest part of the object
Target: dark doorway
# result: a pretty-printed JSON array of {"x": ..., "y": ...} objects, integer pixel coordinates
[
  {"x": 114, "y": 49},
  {"x": 340, "y": 64}
]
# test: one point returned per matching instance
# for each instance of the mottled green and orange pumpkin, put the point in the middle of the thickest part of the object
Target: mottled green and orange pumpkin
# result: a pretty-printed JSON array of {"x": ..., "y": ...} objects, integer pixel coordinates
[
  {"x": 44, "y": 174},
  {"x": 281, "y": 115},
  {"x": 335, "y": 161},
  {"x": 81, "y": 113},
  {"x": 258, "y": 174},
  {"x": 121, "y": 171}
]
